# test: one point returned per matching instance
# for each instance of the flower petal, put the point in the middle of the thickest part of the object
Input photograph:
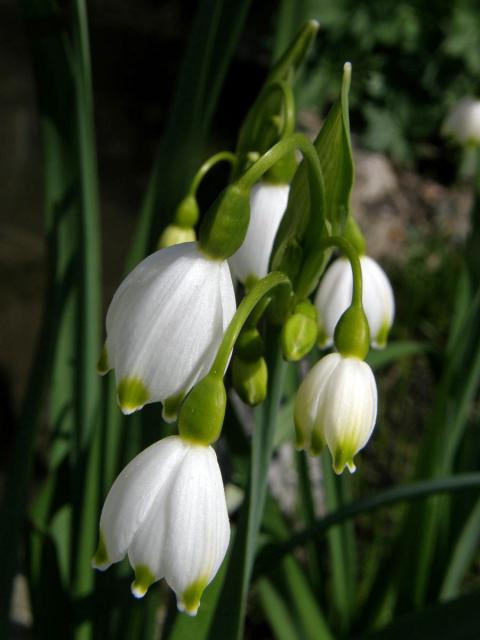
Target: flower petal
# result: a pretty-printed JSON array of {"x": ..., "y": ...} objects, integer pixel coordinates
[
  {"x": 267, "y": 206},
  {"x": 333, "y": 297},
  {"x": 199, "y": 530},
  {"x": 133, "y": 494},
  {"x": 309, "y": 396},
  {"x": 349, "y": 411},
  {"x": 378, "y": 301}
]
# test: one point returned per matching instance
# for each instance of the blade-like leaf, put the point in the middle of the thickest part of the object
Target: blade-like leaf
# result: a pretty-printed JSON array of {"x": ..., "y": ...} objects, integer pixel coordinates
[{"x": 272, "y": 553}]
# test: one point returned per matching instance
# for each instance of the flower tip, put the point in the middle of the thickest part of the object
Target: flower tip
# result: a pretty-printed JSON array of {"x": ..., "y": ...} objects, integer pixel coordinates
[
  {"x": 100, "y": 566},
  {"x": 380, "y": 340},
  {"x": 171, "y": 407},
  {"x": 189, "y": 601},
  {"x": 103, "y": 366},
  {"x": 100, "y": 559},
  {"x": 300, "y": 444},
  {"x": 143, "y": 579},
  {"x": 138, "y": 590},
  {"x": 341, "y": 460},
  {"x": 190, "y": 611},
  {"x": 132, "y": 395}
]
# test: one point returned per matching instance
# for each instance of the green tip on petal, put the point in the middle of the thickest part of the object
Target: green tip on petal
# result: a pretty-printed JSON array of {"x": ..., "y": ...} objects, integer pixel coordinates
[
  {"x": 171, "y": 407},
  {"x": 317, "y": 444},
  {"x": 382, "y": 336},
  {"x": 102, "y": 365},
  {"x": 132, "y": 395},
  {"x": 322, "y": 339},
  {"x": 342, "y": 458},
  {"x": 143, "y": 579},
  {"x": 190, "y": 598},
  {"x": 100, "y": 560},
  {"x": 300, "y": 442}
]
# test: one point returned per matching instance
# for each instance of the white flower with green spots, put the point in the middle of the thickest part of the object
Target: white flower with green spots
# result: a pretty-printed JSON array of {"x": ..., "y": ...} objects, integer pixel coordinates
[
  {"x": 165, "y": 324},
  {"x": 334, "y": 296},
  {"x": 336, "y": 405},
  {"x": 167, "y": 510}
]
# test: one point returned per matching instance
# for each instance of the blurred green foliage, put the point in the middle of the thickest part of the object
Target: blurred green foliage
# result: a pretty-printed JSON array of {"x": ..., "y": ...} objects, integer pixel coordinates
[{"x": 412, "y": 60}]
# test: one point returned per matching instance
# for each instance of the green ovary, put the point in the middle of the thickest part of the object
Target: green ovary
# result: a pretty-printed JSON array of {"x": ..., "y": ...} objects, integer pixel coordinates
[{"x": 132, "y": 394}]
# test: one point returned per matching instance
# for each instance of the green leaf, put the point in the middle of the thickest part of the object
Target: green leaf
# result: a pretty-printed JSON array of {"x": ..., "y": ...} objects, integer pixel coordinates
[
  {"x": 296, "y": 249},
  {"x": 257, "y": 132},
  {"x": 277, "y": 611},
  {"x": 465, "y": 548},
  {"x": 274, "y": 552},
  {"x": 396, "y": 351},
  {"x": 334, "y": 149}
]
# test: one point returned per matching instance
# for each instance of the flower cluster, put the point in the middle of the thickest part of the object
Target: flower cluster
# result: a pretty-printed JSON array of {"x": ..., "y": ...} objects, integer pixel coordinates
[{"x": 173, "y": 325}]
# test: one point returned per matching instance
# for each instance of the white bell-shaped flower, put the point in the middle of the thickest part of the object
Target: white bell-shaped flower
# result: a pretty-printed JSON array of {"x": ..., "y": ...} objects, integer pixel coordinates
[
  {"x": 167, "y": 510},
  {"x": 268, "y": 203},
  {"x": 463, "y": 122},
  {"x": 334, "y": 296},
  {"x": 336, "y": 405},
  {"x": 165, "y": 324}
]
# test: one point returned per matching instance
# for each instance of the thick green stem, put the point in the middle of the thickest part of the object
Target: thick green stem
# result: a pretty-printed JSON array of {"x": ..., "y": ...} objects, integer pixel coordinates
[{"x": 244, "y": 310}]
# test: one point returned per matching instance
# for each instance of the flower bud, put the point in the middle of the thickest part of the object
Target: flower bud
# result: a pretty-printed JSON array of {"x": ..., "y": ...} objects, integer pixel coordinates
[
  {"x": 181, "y": 230},
  {"x": 249, "y": 345},
  {"x": 250, "y": 378},
  {"x": 299, "y": 332},
  {"x": 336, "y": 405},
  {"x": 202, "y": 413},
  {"x": 187, "y": 212},
  {"x": 174, "y": 234}
]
